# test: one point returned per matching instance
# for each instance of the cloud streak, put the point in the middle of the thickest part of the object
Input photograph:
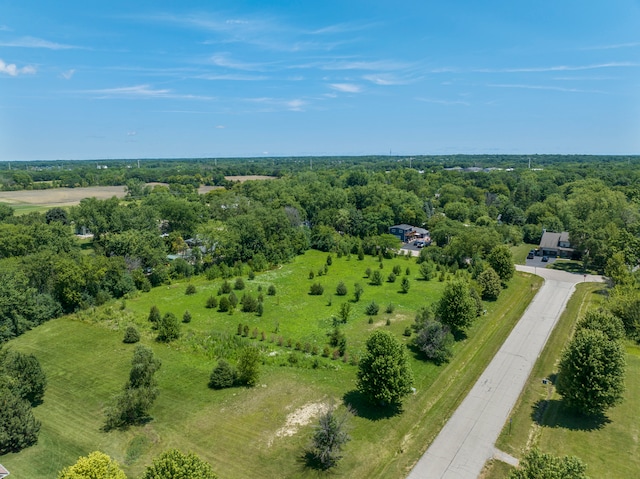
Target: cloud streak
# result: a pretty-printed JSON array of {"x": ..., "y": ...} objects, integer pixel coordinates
[
  {"x": 12, "y": 69},
  {"x": 346, "y": 87},
  {"x": 141, "y": 92},
  {"x": 545, "y": 87},
  {"x": 33, "y": 42},
  {"x": 558, "y": 68}
]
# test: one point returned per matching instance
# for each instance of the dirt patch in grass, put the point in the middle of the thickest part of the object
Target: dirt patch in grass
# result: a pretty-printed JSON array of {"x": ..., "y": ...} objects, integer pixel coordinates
[{"x": 301, "y": 417}]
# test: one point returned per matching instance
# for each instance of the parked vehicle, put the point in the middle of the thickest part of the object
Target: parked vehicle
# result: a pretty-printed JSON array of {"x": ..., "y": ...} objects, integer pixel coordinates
[
  {"x": 530, "y": 255},
  {"x": 545, "y": 259}
]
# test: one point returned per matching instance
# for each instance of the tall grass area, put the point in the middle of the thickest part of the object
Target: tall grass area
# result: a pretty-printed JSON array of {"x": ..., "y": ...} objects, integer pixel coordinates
[
  {"x": 609, "y": 448},
  {"x": 243, "y": 432}
]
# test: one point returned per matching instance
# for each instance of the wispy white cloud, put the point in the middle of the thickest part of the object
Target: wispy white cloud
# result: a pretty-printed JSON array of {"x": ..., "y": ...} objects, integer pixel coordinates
[
  {"x": 612, "y": 46},
  {"x": 132, "y": 133},
  {"x": 33, "y": 42},
  {"x": 232, "y": 77},
  {"x": 224, "y": 60},
  {"x": 545, "y": 87},
  {"x": 141, "y": 92},
  {"x": 387, "y": 79},
  {"x": 275, "y": 104},
  {"x": 67, "y": 75},
  {"x": 342, "y": 28},
  {"x": 12, "y": 69},
  {"x": 346, "y": 87},
  {"x": 379, "y": 65},
  {"x": 558, "y": 68},
  {"x": 443, "y": 102}
]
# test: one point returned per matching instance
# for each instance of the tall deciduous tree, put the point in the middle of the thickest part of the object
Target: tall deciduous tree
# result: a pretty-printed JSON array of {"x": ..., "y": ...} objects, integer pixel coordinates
[
  {"x": 456, "y": 308},
  {"x": 591, "y": 372},
  {"x": 173, "y": 464},
  {"x": 18, "y": 427},
  {"x": 384, "y": 374},
  {"x": 249, "y": 366},
  {"x": 96, "y": 465},
  {"x": 489, "y": 283},
  {"x": 501, "y": 260},
  {"x": 540, "y": 465},
  {"x": 27, "y": 379},
  {"x": 168, "y": 328}
]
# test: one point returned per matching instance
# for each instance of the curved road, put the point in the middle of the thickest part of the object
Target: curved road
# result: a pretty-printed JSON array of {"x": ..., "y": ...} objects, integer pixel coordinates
[{"x": 467, "y": 440}]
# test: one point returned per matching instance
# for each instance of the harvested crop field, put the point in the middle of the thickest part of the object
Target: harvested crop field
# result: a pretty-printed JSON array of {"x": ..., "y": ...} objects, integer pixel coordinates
[{"x": 60, "y": 196}]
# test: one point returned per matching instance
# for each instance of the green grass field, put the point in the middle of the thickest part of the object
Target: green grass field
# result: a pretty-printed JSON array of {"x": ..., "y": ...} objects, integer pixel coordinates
[
  {"x": 251, "y": 432},
  {"x": 610, "y": 447}
]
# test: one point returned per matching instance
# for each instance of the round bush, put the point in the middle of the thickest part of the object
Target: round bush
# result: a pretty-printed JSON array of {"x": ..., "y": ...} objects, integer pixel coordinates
[{"x": 131, "y": 335}]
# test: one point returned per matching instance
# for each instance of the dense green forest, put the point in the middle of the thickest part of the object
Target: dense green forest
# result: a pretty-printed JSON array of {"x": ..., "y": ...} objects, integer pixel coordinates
[{"x": 343, "y": 205}]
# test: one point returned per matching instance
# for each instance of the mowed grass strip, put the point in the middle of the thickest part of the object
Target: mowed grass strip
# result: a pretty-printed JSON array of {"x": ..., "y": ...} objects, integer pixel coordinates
[
  {"x": 244, "y": 432},
  {"x": 610, "y": 448}
]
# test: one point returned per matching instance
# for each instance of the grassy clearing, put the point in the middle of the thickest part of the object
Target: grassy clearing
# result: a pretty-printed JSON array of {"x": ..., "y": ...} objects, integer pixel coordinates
[
  {"x": 521, "y": 251},
  {"x": 243, "y": 432},
  {"x": 610, "y": 447}
]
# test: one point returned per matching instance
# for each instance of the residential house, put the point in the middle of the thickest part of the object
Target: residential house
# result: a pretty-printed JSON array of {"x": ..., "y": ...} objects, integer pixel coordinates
[
  {"x": 408, "y": 233},
  {"x": 556, "y": 245}
]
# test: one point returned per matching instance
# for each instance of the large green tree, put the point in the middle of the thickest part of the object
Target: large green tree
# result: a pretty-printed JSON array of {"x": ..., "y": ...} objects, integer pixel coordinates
[
  {"x": 501, "y": 260},
  {"x": 173, "y": 464},
  {"x": 384, "y": 373},
  {"x": 540, "y": 465},
  {"x": 132, "y": 405},
  {"x": 25, "y": 376},
  {"x": 591, "y": 372},
  {"x": 456, "y": 308},
  {"x": 96, "y": 465},
  {"x": 18, "y": 426}
]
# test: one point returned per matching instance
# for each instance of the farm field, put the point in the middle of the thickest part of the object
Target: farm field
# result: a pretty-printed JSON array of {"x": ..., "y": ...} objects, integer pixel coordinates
[
  {"x": 258, "y": 432},
  {"x": 609, "y": 447}
]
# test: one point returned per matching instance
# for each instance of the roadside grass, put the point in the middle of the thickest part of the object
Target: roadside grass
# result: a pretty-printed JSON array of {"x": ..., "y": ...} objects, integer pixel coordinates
[
  {"x": 244, "y": 432},
  {"x": 571, "y": 266},
  {"x": 521, "y": 251},
  {"x": 609, "y": 446}
]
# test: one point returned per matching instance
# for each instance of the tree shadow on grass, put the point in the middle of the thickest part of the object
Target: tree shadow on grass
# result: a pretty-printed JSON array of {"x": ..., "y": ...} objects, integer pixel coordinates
[
  {"x": 362, "y": 407},
  {"x": 553, "y": 413}
]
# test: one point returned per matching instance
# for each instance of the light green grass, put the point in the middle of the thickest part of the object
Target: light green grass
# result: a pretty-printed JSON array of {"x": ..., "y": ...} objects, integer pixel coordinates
[
  {"x": 609, "y": 449},
  {"x": 236, "y": 430},
  {"x": 521, "y": 251},
  {"x": 24, "y": 209}
]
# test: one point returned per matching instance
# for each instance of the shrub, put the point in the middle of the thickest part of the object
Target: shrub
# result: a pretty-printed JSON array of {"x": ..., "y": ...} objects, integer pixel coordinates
[
  {"x": 329, "y": 260},
  {"x": 249, "y": 366},
  {"x": 391, "y": 278},
  {"x": 131, "y": 335},
  {"x": 251, "y": 275},
  {"x": 212, "y": 302},
  {"x": 260, "y": 309},
  {"x": 249, "y": 303},
  {"x": 223, "y": 375},
  {"x": 390, "y": 308},
  {"x": 372, "y": 309},
  {"x": 271, "y": 290},
  {"x": 154, "y": 315},
  {"x": 316, "y": 289},
  {"x": 239, "y": 284},
  {"x": 224, "y": 305},
  {"x": 376, "y": 278},
  {"x": 397, "y": 269},
  {"x": 341, "y": 289},
  {"x": 225, "y": 288},
  {"x": 357, "y": 291},
  {"x": 367, "y": 273},
  {"x": 239, "y": 332},
  {"x": 191, "y": 289},
  {"x": 435, "y": 341},
  {"x": 311, "y": 275},
  {"x": 186, "y": 317},
  {"x": 233, "y": 300},
  {"x": 326, "y": 351},
  {"x": 405, "y": 284},
  {"x": 168, "y": 328}
]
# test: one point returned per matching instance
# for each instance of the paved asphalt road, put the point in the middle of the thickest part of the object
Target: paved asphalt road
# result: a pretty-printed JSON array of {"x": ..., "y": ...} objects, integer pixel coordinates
[{"x": 467, "y": 440}]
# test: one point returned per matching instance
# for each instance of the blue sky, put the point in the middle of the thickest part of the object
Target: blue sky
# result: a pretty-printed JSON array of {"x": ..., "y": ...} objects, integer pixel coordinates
[{"x": 143, "y": 79}]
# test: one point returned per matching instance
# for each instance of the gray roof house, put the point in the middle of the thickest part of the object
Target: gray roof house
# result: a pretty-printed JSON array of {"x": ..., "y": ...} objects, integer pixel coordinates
[{"x": 556, "y": 244}]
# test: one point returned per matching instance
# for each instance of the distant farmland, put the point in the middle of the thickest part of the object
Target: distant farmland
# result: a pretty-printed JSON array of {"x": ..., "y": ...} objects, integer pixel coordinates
[{"x": 30, "y": 199}]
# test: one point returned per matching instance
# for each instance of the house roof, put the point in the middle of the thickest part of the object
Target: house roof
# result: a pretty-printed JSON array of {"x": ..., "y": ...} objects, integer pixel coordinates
[
  {"x": 552, "y": 240},
  {"x": 403, "y": 227},
  {"x": 549, "y": 239},
  {"x": 3, "y": 472}
]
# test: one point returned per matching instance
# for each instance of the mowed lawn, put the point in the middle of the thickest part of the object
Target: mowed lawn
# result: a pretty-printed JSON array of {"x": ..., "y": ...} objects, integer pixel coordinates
[
  {"x": 262, "y": 431},
  {"x": 609, "y": 447}
]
